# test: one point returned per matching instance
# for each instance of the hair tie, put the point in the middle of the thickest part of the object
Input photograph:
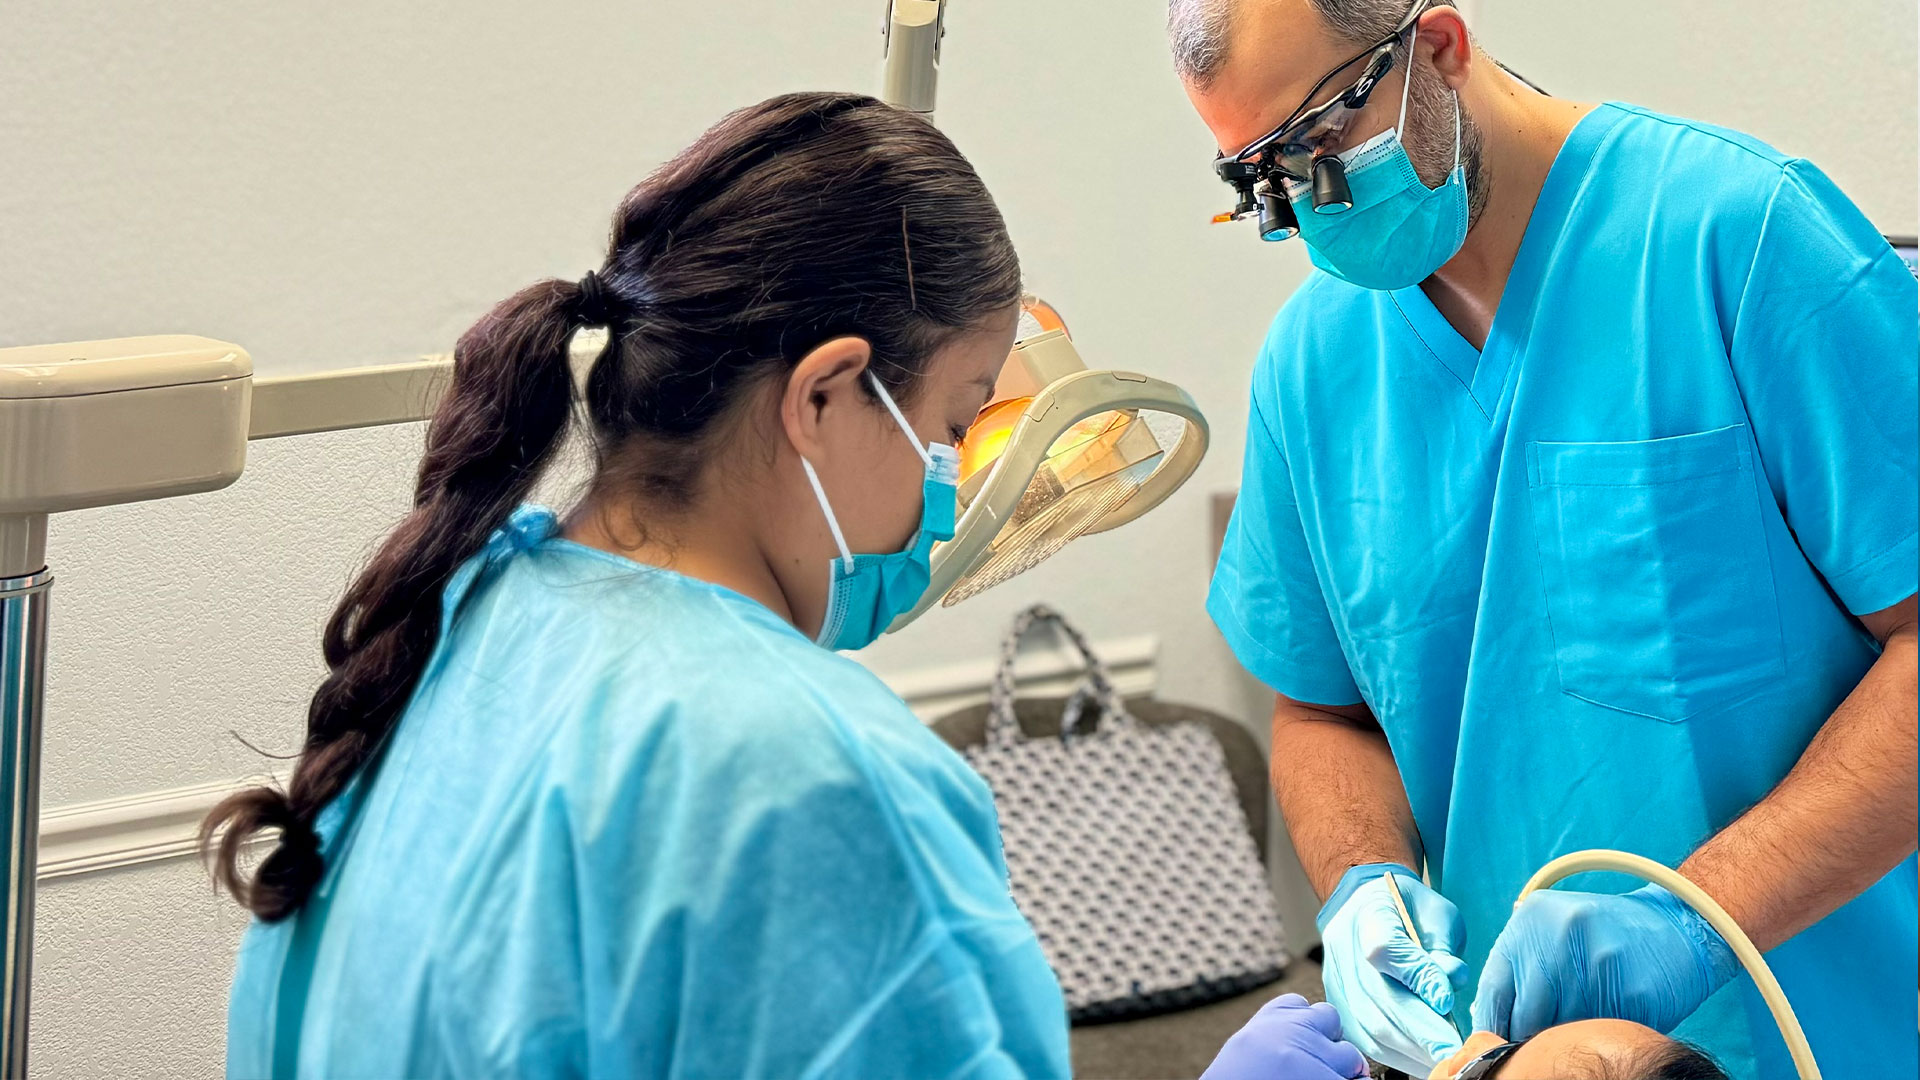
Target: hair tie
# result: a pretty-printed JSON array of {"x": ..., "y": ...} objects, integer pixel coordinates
[
  {"x": 295, "y": 833},
  {"x": 300, "y": 836},
  {"x": 590, "y": 309}
]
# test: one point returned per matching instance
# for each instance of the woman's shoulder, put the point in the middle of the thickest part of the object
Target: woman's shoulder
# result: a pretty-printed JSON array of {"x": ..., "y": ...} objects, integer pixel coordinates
[
  {"x": 644, "y": 685},
  {"x": 648, "y": 672},
  {"x": 797, "y": 716}
]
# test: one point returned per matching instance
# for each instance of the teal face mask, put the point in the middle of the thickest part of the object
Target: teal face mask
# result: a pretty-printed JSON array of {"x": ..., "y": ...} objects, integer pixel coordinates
[
  {"x": 865, "y": 593},
  {"x": 1398, "y": 231}
]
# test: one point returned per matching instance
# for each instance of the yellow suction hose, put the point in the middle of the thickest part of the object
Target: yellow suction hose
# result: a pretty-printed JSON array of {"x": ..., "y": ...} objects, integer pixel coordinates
[{"x": 1620, "y": 862}]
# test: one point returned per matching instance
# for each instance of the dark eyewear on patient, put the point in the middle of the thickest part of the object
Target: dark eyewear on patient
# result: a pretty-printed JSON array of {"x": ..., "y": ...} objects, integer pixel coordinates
[{"x": 1487, "y": 1065}]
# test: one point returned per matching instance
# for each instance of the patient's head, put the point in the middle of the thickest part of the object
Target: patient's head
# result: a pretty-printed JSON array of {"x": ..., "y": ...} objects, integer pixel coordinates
[{"x": 1591, "y": 1050}]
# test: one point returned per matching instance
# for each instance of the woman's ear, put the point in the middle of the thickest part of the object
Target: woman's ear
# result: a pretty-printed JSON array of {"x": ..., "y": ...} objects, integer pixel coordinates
[{"x": 824, "y": 385}]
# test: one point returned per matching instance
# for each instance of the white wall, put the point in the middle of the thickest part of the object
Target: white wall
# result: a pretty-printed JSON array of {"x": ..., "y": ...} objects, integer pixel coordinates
[
  {"x": 356, "y": 182},
  {"x": 132, "y": 975},
  {"x": 1828, "y": 80}
]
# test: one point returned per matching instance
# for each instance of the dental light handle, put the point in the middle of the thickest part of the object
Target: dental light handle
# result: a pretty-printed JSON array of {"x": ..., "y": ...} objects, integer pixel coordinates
[
  {"x": 910, "y": 68},
  {"x": 1621, "y": 862}
]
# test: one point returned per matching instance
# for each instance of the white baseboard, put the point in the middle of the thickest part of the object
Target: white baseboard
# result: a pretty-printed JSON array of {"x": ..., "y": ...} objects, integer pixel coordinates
[
  {"x": 934, "y": 692},
  {"x": 86, "y": 838}
]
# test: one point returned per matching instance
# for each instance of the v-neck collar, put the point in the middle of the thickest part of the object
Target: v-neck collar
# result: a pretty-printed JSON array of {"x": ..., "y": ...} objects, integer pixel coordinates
[{"x": 1484, "y": 372}]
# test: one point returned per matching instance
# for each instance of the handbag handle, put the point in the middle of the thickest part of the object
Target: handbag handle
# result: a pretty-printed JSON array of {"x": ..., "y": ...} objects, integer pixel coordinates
[{"x": 1096, "y": 686}]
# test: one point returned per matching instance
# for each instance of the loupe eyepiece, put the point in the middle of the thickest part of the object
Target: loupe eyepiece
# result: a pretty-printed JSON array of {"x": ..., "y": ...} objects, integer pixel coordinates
[
  {"x": 1330, "y": 192},
  {"x": 1276, "y": 217},
  {"x": 1237, "y": 172},
  {"x": 1242, "y": 175}
]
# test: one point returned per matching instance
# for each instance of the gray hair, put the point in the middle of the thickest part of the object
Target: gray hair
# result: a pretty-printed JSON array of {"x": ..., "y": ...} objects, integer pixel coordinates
[{"x": 1200, "y": 30}]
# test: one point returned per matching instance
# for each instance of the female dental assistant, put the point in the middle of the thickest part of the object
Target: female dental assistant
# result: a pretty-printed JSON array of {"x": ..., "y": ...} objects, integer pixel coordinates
[{"x": 595, "y": 796}]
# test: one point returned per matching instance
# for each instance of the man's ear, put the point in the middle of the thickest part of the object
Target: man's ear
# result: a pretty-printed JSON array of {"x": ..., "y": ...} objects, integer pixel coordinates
[
  {"x": 822, "y": 386},
  {"x": 1442, "y": 38}
]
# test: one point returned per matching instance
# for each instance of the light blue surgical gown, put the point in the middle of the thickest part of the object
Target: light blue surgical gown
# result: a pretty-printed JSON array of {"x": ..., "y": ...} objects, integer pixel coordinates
[
  {"x": 632, "y": 824},
  {"x": 1595, "y": 579}
]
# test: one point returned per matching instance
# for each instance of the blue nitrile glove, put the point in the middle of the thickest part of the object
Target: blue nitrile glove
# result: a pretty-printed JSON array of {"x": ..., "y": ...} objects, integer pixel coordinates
[
  {"x": 1288, "y": 1039},
  {"x": 1643, "y": 956},
  {"x": 1396, "y": 994}
]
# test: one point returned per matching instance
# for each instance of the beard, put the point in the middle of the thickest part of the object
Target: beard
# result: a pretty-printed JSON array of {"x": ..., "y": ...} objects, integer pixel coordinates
[{"x": 1428, "y": 139}]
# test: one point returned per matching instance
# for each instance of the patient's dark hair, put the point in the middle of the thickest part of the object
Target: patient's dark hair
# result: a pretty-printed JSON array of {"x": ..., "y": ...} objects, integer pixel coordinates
[
  {"x": 803, "y": 218},
  {"x": 1670, "y": 1060},
  {"x": 1680, "y": 1061}
]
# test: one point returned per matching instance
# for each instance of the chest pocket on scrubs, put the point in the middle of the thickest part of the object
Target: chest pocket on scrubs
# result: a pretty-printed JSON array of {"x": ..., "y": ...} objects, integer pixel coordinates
[{"x": 1659, "y": 593}]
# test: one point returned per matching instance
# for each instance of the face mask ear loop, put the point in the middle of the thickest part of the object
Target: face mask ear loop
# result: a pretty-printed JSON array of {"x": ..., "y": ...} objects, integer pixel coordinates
[
  {"x": 901, "y": 419},
  {"x": 1406, "y": 87},
  {"x": 1456, "y": 130},
  {"x": 820, "y": 493}
]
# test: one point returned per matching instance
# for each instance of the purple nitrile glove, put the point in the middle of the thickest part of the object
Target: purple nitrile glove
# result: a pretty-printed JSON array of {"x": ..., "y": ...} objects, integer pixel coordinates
[{"x": 1288, "y": 1039}]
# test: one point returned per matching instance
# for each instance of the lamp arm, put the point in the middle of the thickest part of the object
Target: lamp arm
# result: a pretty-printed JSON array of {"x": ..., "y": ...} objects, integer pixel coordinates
[{"x": 910, "y": 64}]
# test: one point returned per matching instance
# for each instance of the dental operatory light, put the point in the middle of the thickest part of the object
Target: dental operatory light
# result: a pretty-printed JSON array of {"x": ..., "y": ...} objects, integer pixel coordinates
[{"x": 1061, "y": 451}]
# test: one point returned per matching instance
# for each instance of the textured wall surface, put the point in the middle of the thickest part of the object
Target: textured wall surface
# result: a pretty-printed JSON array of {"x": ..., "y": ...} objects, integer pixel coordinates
[
  {"x": 177, "y": 622},
  {"x": 131, "y": 973},
  {"x": 356, "y": 182}
]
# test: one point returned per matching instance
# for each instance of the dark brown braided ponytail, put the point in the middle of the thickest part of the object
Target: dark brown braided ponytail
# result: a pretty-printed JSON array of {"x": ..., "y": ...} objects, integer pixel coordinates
[{"x": 495, "y": 428}]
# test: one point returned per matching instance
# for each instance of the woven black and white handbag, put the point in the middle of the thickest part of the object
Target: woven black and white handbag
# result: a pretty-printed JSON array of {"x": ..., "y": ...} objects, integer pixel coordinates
[{"x": 1128, "y": 850}]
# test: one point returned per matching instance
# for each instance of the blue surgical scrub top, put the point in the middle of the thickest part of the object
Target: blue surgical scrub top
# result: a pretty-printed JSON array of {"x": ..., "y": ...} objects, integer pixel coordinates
[
  {"x": 633, "y": 824},
  {"x": 1594, "y": 580}
]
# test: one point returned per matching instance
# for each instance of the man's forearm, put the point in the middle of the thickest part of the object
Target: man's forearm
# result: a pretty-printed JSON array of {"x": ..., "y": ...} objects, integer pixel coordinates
[
  {"x": 1339, "y": 791},
  {"x": 1840, "y": 820}
]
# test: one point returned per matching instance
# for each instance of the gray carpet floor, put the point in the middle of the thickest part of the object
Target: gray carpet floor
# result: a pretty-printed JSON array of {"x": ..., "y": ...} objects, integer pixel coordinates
[{"x": 1179, "y": 1045}]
